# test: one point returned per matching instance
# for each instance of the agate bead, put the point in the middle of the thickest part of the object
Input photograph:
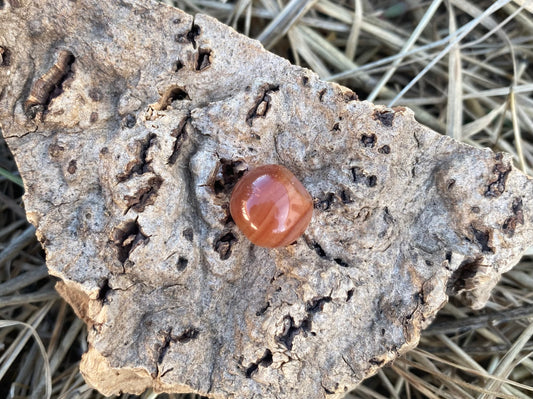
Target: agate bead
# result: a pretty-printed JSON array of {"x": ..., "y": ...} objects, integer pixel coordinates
[{"x": 270, "y": 206}]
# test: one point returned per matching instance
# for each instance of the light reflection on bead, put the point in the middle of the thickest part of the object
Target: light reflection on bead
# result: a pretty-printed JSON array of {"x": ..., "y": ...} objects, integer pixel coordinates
[{"x": 270, "y": 206}]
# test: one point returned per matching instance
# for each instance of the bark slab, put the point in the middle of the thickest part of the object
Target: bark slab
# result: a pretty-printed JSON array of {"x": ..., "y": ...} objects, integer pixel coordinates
[{"x": 131, "y": 121}]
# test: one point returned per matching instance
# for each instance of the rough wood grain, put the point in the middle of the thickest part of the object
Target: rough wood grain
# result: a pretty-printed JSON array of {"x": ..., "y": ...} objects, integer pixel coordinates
[{"x": 130, "y": 123}]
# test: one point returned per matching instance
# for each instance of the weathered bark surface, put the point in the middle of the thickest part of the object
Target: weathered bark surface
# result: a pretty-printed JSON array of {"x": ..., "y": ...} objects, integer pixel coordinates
[{"x": 131, "y": 121}]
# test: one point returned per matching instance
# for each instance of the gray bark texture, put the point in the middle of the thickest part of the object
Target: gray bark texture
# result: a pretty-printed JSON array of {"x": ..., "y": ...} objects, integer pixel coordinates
[{"x": 131, "y": 121}]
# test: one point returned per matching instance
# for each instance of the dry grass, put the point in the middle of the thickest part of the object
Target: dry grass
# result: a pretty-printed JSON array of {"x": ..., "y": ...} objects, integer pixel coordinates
[{"x": 464, "y": 66}]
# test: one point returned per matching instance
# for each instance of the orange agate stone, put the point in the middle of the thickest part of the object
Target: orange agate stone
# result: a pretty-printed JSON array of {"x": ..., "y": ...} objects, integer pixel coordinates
[{"x": 270, "y": 206}]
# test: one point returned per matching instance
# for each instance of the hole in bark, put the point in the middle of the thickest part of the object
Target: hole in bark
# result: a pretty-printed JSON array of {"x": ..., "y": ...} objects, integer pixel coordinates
[
  {"x": 173, "y": 93},
  {"x": 127, "y": 238},
  {"x": 316, "y": 305},
  {"x": 349, "y": 294},
  {"x": 368, "y": 140},
  {"x": 188, "y": 233},
  {"x": 376, "y": 362},
  {"x": 55, "y": 150},
  {"x": 177, "y": 66},
  {"x": 228, "y": 173},
  {"x": 180, "y": 134},
  {"x": 262, "y": 311},
  {"x": 141, "y": 165},
  {"x": 104, "y": 291},
  {"x": 162, "y": 351},
  {"x": 223, "y": 245},
  {"x": 462, "y": 277},
  {"x": 130, "y": 121},
  {"x": 359, "y": 176},
  {"x": 262, "y": 103},
  {"x": 305, "y": 80},
  {"x": 289, "y": 332},
  {"x": 420, "y": 297},
  {"x": 321, "y": 95},
  {"x": 204, "y": 59},
  {"x": 497, "y": 186},
  {"x": 72, "y": 167},
  {"x": 318, "y": 249},
  {"x": 371, "y": 181},
  {"x": 387, "y": 217},
  {"x": 325, "y": 204},
  {"x": 227, "y": 219},
  {"x": 341, "y": 262},
  {"x": 5, "y": 55},
  {"x": 50, "y": 85},
  {"x": 448, "y": 256},
  {"x": 187, "y": 335},
  {"x": 384, "y": 117},
  {"x": 265, "y": 361},
  {"x": 177, "y": 94},
  {"x": 144, "y": 196},
  {"x": 384, "y": 150},
  {"x": 450, "y": 183},
  {"x": 482, "y": 238},
  {"x": 182, "y": 263},
  {"x": 193, "y": 34},
  {"x": 511, "y": 223},
  {"x": 306, "y": 325},
  {"x": 345, "y": 197},
  {"x": 336, "y": 127},
  {"x": 326, "y": 201},
  {"x": 350, "y": 96},
  {"x": 251, "y": 370}
]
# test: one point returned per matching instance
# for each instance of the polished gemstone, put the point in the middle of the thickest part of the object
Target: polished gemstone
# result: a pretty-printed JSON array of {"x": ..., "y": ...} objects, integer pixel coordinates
[{"x": 270, "y": 206}]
